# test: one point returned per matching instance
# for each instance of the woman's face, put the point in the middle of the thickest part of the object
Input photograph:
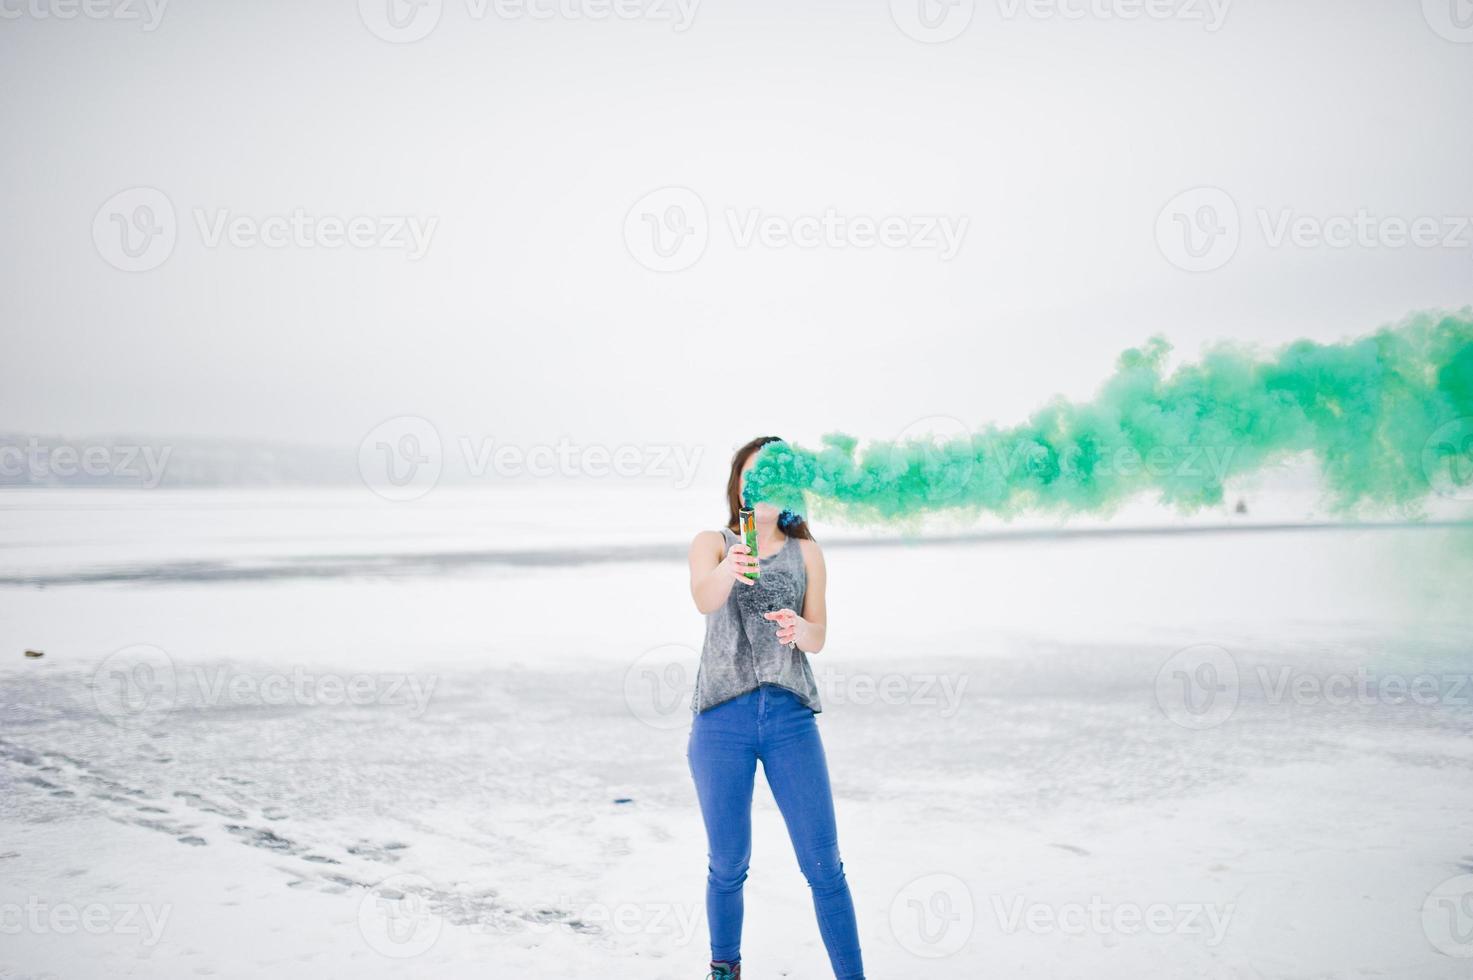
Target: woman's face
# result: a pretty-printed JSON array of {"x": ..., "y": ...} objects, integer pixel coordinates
[{"x": 764, "y": 512}]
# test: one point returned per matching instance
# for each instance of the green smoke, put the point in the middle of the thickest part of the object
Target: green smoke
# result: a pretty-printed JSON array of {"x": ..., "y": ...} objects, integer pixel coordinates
[{"x": 1387, "y": 419}]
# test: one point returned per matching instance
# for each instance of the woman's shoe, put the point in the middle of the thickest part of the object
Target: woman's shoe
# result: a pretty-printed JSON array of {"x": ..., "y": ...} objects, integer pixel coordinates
[{"x": 725, "y": 971}]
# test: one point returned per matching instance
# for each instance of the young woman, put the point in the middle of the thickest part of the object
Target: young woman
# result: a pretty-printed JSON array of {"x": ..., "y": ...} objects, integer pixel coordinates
[{"x": 755, "y": 698}]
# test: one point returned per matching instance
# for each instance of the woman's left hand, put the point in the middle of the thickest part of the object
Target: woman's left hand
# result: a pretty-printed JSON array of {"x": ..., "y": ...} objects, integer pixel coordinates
[{"x": 789, "y": 625}]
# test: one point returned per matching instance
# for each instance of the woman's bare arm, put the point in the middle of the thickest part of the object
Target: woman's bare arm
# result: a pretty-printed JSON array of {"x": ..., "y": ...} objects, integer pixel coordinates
[
  {"x": 815, "y": 606},
  {"x": 809, "y": 630},
  {"x": 713, "y": 573}
]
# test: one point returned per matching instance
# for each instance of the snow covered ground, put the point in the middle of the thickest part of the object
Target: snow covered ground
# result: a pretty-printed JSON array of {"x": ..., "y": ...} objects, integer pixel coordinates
[{"x": 340, "y": 751}]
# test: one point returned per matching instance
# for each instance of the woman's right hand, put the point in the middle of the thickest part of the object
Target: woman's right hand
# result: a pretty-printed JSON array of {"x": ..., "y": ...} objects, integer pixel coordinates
[{"x": 738, "y": 562}]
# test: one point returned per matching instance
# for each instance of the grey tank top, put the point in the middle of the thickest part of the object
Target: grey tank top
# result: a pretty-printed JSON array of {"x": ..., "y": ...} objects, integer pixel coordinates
[{"x": 741, "y": 651}]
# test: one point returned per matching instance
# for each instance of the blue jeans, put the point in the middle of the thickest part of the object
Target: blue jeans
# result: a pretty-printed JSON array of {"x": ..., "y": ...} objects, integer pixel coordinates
[{"x": 726, "y": 741}]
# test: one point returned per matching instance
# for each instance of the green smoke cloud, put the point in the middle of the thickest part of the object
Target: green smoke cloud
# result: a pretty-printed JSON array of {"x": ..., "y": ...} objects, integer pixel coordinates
[{"x": 1387, "y": 419}]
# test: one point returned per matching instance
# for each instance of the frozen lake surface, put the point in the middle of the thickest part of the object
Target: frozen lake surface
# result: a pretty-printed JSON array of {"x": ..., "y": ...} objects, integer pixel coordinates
[{"x": 1207, "y": 754}]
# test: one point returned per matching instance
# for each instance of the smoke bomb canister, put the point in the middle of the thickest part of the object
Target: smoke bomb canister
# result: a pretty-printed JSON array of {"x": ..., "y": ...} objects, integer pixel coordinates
[{"x": 747, "y": 521}]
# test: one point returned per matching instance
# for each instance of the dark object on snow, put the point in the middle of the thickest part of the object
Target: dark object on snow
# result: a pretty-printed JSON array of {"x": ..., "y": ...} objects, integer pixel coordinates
[
  {"x": 623, "y": 799},
  {"x": 1242, "y": 507},
  {"x": 35, "y": 654}
]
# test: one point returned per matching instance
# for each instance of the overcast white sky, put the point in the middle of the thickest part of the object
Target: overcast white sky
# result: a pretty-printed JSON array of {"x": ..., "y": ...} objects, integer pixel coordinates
[{"x": 1058, "y": 135}]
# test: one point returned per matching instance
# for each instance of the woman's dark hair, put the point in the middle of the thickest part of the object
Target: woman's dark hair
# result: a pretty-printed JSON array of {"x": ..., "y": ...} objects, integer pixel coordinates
[{"x": 789, "y": 523}]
